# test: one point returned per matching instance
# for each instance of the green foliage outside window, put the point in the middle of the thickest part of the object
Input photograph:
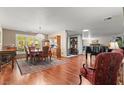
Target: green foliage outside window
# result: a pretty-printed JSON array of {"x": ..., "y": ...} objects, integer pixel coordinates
[
  {"x": 119, "y": 41},
  {"x": 23, "y": 40}
]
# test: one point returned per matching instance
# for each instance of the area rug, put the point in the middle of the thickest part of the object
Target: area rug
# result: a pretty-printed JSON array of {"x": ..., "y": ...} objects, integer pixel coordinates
[
  {"x": 26, "y": 67},
  {"x": 72, "y": 56}
]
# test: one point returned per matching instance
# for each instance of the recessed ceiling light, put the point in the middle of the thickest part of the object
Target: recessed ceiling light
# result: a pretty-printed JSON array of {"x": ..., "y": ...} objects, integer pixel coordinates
[{"x": 85, "y": 30}]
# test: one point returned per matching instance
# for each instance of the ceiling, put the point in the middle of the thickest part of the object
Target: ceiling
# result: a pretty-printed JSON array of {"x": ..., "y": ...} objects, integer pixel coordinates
[{"x": 54, "y": 19}]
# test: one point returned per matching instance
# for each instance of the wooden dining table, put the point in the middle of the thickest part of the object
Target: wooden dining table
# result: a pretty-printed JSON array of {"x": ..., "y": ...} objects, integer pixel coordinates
[{"x": 39, "y": 54}]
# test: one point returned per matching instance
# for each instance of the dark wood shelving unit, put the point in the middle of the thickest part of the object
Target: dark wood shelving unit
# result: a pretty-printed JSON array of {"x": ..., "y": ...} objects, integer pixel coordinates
[{"x": 73, "y": 45}]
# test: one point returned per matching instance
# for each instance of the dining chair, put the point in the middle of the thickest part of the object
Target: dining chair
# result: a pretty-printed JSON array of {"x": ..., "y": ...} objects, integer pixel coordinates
[
  {"x": 50, "y": 54},
  {"x": 105, "y": 71},
  {"x": 27, "y": 52},
  {"x": 32, "y": 54},
  {"x": 45, "y": 52}
]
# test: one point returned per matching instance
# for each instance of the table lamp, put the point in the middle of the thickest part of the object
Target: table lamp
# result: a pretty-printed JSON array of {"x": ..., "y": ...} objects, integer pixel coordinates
[{"x": 113, "y": 45}]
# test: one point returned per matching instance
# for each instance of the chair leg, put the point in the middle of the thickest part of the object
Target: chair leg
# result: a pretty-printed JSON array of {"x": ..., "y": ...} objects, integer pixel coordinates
[
  {"x": 0, "y": 68},
  {"x": 45, "y": 58},
  {"x": 50, "y": 58},
  {"x": 26, "y": 58},
  {"x": 41, "y": 58},
  {"x": 90, "y": 59},
  {"x": 86, "y": 56},
  {"x": 12, "y": 63},
  {"x": 80, "y": 76}
]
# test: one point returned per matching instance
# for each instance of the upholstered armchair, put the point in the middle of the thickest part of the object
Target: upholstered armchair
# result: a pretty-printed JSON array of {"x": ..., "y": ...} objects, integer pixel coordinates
[
  {"x": 105, "y": 70},
  {"x": 118, "y": 50}
]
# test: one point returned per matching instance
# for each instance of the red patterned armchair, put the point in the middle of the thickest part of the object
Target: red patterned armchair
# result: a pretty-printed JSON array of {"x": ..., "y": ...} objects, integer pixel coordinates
[
  {"x": 119, "y": 50},
  {"x": 105, "y": 70}
]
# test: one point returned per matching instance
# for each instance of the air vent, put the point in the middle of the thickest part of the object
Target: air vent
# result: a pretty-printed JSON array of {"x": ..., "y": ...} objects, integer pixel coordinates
[{"x": 108, "y": 18}]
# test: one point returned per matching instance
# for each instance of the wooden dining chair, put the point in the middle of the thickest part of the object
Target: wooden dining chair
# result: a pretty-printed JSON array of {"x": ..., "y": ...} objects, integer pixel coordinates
[
  {"x": 45, "y": 52},
  {"x": 32, "y": 54},
  {"x": 27, "y": 52},
  {"x": 50, "y": 54}
]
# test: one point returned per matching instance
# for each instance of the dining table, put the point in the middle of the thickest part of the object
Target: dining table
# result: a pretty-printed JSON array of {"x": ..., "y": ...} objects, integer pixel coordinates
[
  {"x": 36, "y": 51},
  {"x": 38, "y": 55}
]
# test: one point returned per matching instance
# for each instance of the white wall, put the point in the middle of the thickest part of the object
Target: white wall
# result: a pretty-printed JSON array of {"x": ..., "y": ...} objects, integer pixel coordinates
[
  {"x": 63, "y": 41},
  {"x": 104, "y": 40},
  {"x": 1, "y": 37},
  {"x": 80, "y": 44}
]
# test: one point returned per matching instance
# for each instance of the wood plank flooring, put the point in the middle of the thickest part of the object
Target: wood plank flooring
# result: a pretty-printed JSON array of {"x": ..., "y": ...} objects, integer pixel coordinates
[{"x": 66, "y": 74}]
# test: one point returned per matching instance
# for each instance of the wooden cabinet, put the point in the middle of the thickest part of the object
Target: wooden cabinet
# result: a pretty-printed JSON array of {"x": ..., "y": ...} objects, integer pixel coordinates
[{"x": 58, "y": 50}]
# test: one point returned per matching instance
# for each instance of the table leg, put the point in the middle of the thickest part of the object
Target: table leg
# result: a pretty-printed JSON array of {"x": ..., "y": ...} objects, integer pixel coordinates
[
  {"x": 122, "y": 73},
  {"x": 86, "y": 60},
  {"x": 0, "y": 67}
]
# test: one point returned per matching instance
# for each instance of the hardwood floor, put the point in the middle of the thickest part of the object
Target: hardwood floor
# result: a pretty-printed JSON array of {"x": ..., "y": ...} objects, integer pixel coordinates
[{"x": 65, "y": 74}]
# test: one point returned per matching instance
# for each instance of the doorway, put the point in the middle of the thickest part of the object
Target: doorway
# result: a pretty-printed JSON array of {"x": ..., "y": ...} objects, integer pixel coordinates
[{"x": 74, "y": 43}]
